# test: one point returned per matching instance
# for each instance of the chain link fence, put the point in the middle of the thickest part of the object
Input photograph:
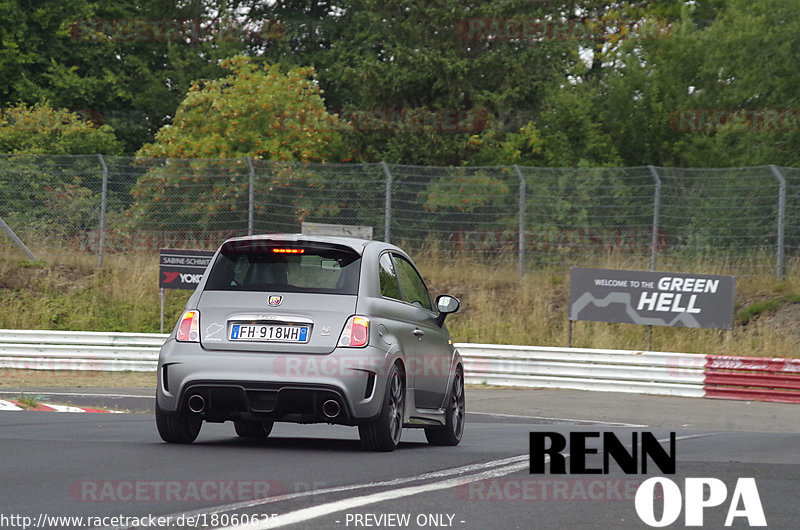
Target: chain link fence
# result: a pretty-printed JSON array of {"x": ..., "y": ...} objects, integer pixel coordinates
[{"x": 746, "y": 218}]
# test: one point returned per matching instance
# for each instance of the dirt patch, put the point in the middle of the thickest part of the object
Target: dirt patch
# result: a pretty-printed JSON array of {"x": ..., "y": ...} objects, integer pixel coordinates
[
  {"x": 784, "y": 321},
  {"x": 10, "y": 378},
  {"x": 40, "y": 277}
]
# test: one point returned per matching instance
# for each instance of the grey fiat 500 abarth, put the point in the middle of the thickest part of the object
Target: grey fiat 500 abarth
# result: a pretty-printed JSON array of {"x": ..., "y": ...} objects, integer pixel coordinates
[{"x": 312, "y": 329}]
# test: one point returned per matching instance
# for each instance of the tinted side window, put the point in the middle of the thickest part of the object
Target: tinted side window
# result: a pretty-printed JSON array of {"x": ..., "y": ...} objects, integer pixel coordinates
[
  {"x": 411, "y": 285},
  {"x": 388, "y": 277}
]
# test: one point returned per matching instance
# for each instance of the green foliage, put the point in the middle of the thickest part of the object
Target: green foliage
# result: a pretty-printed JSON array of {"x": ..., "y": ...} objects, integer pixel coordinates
[
  {"x": 116, "y": 62},
  {"x": 747, "y": 65},
  {"x": 750, "y": 311},
  {"x": 41, "y": 129},
  {"x": 568, "y": 134},
  {"x": 254, "y": 111},
  {"x": 610, "y": 87},
  {"x": 28, "y": 402},
  {"x": 409, "y": 56},
  {"x": 40, "y": 191},
  {"x": 260, "y": 112},
  {"x": 464, "y": 193}
]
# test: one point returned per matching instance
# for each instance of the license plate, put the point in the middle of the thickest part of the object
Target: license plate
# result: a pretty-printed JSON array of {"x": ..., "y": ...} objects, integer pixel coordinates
[{"x": 269, "y": 333}]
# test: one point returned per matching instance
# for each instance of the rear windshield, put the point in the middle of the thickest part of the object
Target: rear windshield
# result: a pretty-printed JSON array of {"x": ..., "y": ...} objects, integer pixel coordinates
[{"x": 294, "y": 268}]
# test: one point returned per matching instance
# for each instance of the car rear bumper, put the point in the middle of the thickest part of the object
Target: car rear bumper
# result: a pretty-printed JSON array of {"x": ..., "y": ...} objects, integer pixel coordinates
[{"x": 272, "y": 386}]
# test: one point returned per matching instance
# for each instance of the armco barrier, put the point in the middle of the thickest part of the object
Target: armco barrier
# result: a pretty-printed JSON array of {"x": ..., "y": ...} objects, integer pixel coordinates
[
  {"x": 753, "y": 378},
  {"x": 642, "y": 372},
  {"x": 675, "y": 374},
  {"x": 79, "y": 350}
]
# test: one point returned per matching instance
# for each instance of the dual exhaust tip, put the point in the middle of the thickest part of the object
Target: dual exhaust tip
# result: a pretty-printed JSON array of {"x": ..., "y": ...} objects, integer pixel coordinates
[
  {"x": 331, "y": 408},
  {"x": 197, "y": 404}
]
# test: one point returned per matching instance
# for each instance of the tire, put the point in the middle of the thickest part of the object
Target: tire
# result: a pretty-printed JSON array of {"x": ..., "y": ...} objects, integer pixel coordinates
[
  {"x": 177, "y": 429},
  {"x": 453, "y": 429},
  {"x": 253, "y": 429},
  {"x": 383, "y": 434}
]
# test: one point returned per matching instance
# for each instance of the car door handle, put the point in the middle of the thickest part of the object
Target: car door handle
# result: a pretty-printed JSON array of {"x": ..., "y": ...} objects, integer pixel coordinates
[{"x": 418, "y": 332}]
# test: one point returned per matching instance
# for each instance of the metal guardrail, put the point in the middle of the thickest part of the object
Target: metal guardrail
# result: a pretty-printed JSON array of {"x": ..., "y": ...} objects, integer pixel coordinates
[
  {"x": 79, "y": 350},
  {"x": 642, "y": 372},
  {"x": 674, "y": 374}
]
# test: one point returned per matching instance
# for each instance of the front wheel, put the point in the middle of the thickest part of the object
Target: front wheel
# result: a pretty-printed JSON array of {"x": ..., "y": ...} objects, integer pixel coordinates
[
  {"x": 450, "y": 433},
  {"x": 177, "y": 429},
  {"x": 383, "y": 434}
]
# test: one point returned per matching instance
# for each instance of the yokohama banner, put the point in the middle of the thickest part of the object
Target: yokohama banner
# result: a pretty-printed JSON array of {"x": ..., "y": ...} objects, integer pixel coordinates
[{"x": 182, "y": 269}]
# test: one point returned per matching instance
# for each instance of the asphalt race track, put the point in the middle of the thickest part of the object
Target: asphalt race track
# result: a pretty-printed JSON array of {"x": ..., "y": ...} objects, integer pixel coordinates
[{"x": 114, "y": 471}]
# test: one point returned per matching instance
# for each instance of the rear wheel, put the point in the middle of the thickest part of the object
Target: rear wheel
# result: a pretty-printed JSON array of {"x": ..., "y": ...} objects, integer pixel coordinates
[
  {"x": 383, "y": 434},
  {"x": 450, "y": 433},
  {"x": 179, "y": 429},
  {"x": 253, "y": 429}
]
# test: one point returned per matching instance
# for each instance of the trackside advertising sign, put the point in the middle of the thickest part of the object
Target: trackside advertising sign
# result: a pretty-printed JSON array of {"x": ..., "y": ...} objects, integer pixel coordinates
[
  {"x": 651, "y": 298},
  {"x": 182, "y": 269}
]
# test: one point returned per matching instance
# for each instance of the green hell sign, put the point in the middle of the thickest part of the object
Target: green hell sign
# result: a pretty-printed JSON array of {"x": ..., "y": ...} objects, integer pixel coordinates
[{"x": 652, "y": 298}]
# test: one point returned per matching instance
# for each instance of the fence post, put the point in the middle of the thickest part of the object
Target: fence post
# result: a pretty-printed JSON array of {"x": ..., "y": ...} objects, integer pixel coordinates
[
  {"x": 387, "y": 228},
  {"x": 780, "y": 266},
  {"x": 103, "y": 205},
  {"x": 17, "y": 241},
  {"x": 523, "y": 185},
  {"x": 656, "y": 212},
  {"x": 251, "y": 195}
]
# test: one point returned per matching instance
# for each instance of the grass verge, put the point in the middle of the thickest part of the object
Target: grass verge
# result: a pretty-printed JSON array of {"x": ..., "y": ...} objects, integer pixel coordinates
[
  {"x": 10, "y": 378},
  {"x": 70, "y": 292}
]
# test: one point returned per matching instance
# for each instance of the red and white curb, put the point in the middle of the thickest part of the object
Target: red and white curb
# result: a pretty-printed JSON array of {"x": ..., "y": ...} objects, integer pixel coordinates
[{"x": 11, "y": 405}]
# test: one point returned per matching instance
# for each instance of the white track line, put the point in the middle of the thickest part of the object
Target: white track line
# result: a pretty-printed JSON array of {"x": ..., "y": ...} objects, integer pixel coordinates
[
  {"x": 306, "y": 514},
  {"x": 40, "y": 393},
  {"x": 593, "y": 422},
  {"x": 461, "y": 470},
  {"x": 314, "y": 512}
]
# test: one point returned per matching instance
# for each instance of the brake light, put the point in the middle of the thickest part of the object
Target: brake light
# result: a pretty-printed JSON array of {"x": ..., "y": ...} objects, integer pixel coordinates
[
  {"x": 189, "y": 326},
  {"x": 356, "y": 332},
  {"x": 288, "y": 250}
]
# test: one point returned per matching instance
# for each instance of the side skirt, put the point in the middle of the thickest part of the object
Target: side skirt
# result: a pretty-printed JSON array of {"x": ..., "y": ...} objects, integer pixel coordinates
[{"x": 415, "y": 418}]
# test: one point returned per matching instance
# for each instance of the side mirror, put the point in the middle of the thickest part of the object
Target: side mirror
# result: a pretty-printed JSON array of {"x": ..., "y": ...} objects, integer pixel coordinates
[{"x": 446, "y": 304}]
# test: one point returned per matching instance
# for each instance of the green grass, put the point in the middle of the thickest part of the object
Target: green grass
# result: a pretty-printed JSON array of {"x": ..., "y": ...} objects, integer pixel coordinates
[
  {"x": 77, "y": 295},
  {"x": 747, "y": 313},
  {"x": 70, "y": 292},
  {"x": 27, "y": 401}
]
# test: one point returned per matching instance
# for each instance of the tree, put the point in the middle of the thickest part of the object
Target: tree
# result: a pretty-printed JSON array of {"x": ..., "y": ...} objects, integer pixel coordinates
[
  {"x": 748, "y": 83},
  {"x": 39, "y": 188},
  {"x": 41, "y": 129},
  {"x": 126, "y": 64},
  {"x": 256, "y": 111},
  {"x": 712, "y": 91},
  {"x": 417, "y": 80}
]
